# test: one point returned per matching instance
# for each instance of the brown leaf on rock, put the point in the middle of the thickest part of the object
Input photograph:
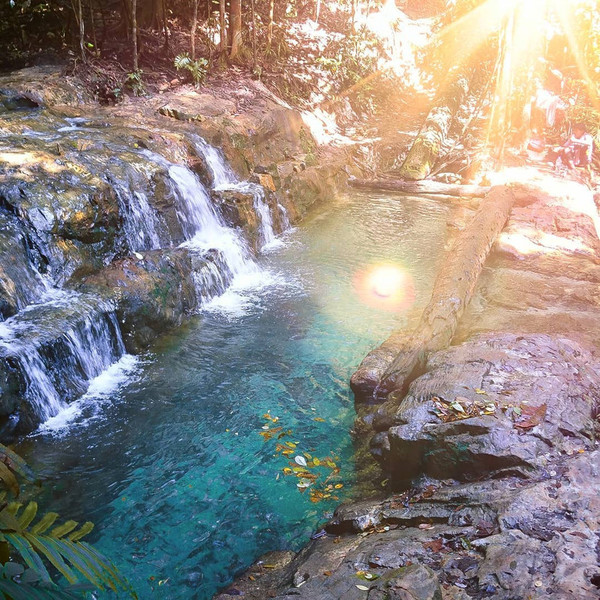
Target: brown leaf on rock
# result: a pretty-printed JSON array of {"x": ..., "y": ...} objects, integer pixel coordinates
[
  {"x": 434, "y": 545},
  {"x": 531, "y": 416}
]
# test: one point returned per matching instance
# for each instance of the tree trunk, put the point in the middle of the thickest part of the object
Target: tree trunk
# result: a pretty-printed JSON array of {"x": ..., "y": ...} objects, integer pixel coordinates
[
  {"x": 223, "y": 39},
  {"x": 452, "y": 291},
  {"x": 235, "y": 27},
  {"x": 134, "y": 33},
  {"x": 426, "y": 148},
  {"x": 126, "y": 17},
  {"x": 317, "y": 11},
  {"x": 428, "y": 188},
  {"x": 271, "y": 23},
  {"x": 193, "y": 29},
  {"x": 152, "y": 14},
  {"x": 253, "y": 34},
  {"x": 93, "y": 27},
  {"x": 81, "y": 30},
  {"x": 165, "y": 25}
]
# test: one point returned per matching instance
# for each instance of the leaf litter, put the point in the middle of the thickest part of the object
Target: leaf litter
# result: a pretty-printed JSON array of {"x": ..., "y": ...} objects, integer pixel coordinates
[{"x": 313, "y": 473}]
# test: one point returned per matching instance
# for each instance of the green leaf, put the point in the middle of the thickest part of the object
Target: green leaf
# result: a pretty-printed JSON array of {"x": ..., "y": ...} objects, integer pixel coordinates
[
  {"x": 63, "y": 529},
  {"x": 12, "y": 569},
  {"x": 16, "y": 463},
  {"x": 28, "y": 554},
  {"x": 87, "y": 565},
  {"x": 51, "y": 549},
  {"x": 28, "y": 515},
  {"x": 9, "y": 479},
  {"x": 44, "y": 523},
  {"x": 110, "y": 568},
  {"x": 18, "y": 591},
  {"x": 8, "y": 521},
  {"x": 84, "y": 530},
  {"x": 13, "y": 507}
]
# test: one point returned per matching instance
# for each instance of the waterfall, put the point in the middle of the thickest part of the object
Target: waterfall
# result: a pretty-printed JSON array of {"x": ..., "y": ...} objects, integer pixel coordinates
[
  {"x": 221, "y": 172},
  {"x": 204, "y": 228},
  {"x": 139, "y": 221},
  {"x": 224, "y": 179},
  {"x": 211, "y": 276},
  {"x": 59, "y": 341},
  {"x": 56, "y": 348},
  {"x": 267, "y": 233},
  {"x": 39, "y": 390}
]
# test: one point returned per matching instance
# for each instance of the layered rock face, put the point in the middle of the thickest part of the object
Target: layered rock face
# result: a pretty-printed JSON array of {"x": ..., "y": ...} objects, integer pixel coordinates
[
  {"x": 490, "y": 450},
  {"x": 117, "y": 224}
]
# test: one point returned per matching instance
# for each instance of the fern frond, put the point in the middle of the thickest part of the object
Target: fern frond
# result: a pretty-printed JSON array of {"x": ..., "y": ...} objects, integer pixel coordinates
[{"x": 71, "y": 557}]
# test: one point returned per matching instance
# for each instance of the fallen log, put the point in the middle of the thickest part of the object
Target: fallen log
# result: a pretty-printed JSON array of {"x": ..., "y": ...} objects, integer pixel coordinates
[
  {"x": 379, "y": 374},
  {"x": 426, "y": 188}
]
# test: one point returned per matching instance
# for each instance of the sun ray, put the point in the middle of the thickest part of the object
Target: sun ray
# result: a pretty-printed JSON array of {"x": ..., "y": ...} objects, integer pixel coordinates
[{"x": 565, "y": 15}]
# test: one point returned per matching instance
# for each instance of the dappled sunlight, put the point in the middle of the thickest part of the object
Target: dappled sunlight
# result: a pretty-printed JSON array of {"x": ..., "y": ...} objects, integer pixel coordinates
[
  {"x": 530, "y": 241},
  {"x": 27, "y": 162},
  {"x": 523, "y": 29}
]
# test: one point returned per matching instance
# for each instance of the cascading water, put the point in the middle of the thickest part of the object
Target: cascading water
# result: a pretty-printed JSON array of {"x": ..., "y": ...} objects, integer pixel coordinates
[
  {"x": 53, "y": 343},
  {"x": 204, "y": 228},
  {"x": 139, "y": 223},
  {"x": 58, "y": 347},
  {"x": 221, "y": 172},
  {"x": 224, "y": 179}
]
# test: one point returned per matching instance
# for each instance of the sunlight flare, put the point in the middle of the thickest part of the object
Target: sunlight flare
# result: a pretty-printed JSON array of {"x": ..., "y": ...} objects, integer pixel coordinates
[{"x": 385, "y": 286}]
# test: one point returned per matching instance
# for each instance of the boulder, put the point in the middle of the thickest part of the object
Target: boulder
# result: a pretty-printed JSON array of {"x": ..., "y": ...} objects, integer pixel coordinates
[
  {"x": 502, "y": 539},
  {"x": 498, "y": 403},
  {"x": 156, "y": 292}
]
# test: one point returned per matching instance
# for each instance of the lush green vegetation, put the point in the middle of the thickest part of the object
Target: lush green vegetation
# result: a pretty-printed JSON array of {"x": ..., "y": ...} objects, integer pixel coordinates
[{"x": 41, "y": 558}]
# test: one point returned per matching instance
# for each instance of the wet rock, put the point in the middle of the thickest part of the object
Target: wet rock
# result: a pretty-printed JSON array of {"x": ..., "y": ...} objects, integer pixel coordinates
[
  {"x": 237, "y": 208},
  {"x": 265, "y": 576},
  {"x": 46, "y": 357},
  {"x": 74, "y": 215},
  {"x": 43, "y": 86},
  {"x": 500, "y": 539},
  {"x": 415, "y": 582},
  {"x": 366, "y": 378},
  {"x": 552, "y": 378},
  {"x": 20, "y": 263},
  {"x": 265, "y": 180},
  {"x": 155, "y": 293}
]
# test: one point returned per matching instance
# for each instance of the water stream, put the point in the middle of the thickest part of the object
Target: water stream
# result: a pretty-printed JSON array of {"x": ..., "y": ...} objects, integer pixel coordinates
[{"x": 164, "y": 453}]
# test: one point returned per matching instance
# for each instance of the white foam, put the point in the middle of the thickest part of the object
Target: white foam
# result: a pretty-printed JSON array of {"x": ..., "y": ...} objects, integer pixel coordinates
[
  {"x": 273, "y": 246},
  {"x": 247, "y": 292},
  {"x": 102, "y": 388},
  {"x": 5, "y": 332}
]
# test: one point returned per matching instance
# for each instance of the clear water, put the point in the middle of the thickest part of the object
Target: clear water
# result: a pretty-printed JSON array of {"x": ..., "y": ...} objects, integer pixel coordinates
[{"x": 166, "y": 457}]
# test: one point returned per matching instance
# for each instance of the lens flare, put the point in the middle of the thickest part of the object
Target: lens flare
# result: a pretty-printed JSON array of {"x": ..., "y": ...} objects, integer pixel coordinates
[{"x": 387, "y": 287}]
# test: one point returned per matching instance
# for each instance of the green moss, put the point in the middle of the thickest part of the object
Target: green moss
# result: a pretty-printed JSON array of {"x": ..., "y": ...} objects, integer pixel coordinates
[{"x": 309, "y": 147}]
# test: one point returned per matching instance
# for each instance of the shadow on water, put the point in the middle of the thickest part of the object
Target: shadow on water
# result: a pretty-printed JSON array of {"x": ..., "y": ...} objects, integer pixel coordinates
[{"x": 170, "y": 464}]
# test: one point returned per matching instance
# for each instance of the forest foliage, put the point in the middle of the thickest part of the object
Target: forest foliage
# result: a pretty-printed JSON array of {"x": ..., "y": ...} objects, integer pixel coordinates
[{"x": 310, "y": 50}]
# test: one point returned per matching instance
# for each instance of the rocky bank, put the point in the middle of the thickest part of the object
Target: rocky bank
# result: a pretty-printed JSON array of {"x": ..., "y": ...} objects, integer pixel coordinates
[{"x": 490, "y": 454}]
